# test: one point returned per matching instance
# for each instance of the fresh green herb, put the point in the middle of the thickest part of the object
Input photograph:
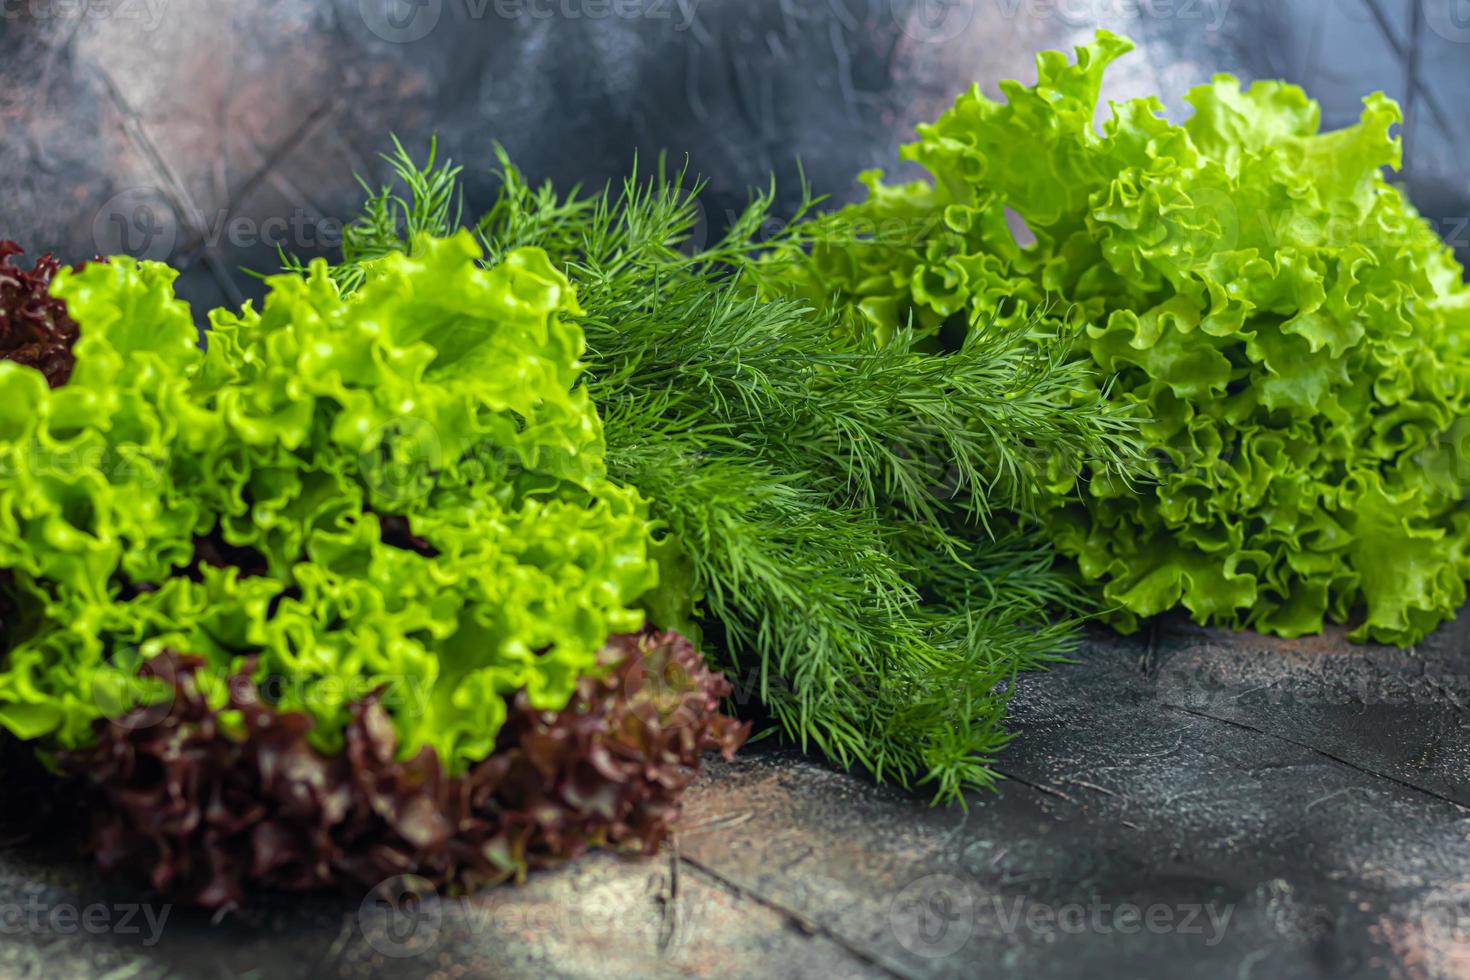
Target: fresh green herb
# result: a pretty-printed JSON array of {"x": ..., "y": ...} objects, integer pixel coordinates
[{"x": 819, "y": 494}]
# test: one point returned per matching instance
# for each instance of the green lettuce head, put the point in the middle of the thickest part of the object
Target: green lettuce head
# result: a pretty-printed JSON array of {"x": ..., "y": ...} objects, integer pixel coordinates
[
  {"x": 400, "y": 490},
  {"x": 1292, "y": 327}
]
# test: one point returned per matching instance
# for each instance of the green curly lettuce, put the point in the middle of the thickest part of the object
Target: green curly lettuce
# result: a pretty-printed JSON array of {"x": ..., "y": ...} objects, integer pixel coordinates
[
  {"x": 403, "y": 489},
  {"x": 1290, "y": 324}
]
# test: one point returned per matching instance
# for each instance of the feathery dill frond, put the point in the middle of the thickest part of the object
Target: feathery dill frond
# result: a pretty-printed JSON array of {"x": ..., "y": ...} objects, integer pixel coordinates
[
  {"x": 980, "y": 425},
  {"x": 431, "y": 202},
  {"x": 851, "y": 515}
]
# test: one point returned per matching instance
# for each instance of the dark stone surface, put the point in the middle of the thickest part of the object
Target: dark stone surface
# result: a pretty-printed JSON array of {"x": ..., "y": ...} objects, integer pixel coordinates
[
  {"x": 1186, "y": 803},
  {"x": 1316, "y": 791}
]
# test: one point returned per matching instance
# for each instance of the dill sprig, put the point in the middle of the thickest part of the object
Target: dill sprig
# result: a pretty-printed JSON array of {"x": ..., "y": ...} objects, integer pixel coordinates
[
  {"x": 851, "y": 517},
  {"x": 389, "y": 220}
]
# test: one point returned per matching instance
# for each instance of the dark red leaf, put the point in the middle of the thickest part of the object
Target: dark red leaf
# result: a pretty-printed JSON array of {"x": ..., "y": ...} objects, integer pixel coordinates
[
  {"x": 35, "y": 328},
  {"x": 207, "y": 818}
]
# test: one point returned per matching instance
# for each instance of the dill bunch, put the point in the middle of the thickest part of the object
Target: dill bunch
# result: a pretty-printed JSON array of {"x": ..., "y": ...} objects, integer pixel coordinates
[{"x": 847, "y": 520}]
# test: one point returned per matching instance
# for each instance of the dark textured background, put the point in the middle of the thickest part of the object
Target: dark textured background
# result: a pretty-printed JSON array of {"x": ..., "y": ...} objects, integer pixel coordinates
[
  {"x": 1317, "y": 791},
  {"x": 182, "y": 129}
]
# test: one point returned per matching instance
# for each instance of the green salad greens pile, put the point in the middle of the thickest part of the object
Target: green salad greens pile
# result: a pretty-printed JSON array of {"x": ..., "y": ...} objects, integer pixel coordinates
[
  {"x": 457, "y": 526},
  {"x": 1291, "y": 329},
  {"x": 404, "y": 490}
]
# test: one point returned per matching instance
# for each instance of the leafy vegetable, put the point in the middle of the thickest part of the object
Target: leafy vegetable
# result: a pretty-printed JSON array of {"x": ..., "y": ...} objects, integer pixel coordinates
[
  {"x": 1291, "y": 327},
  {"x": 181, "y": 802},
  {"x": 405, "y": 490},
  {"x": 817, "y": 493},
  {"x": 34, "y": 326}
]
